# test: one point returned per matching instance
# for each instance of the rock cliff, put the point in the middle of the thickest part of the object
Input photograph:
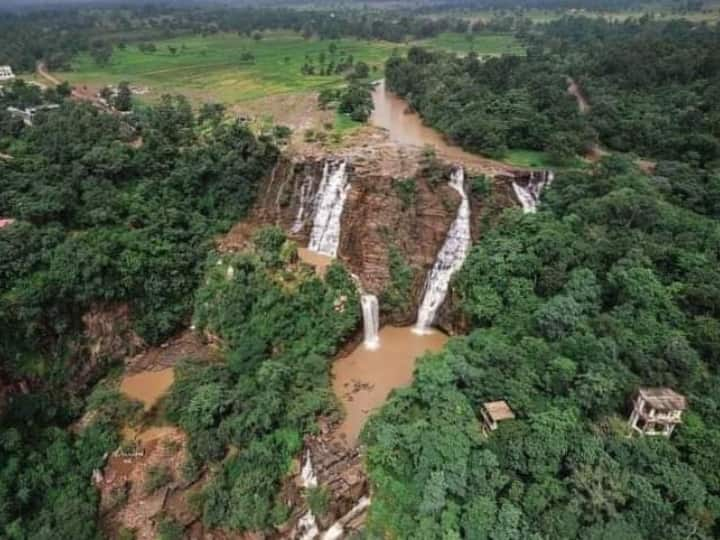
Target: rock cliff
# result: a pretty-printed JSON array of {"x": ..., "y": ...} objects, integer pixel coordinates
[{"x": 397, "y": 207}]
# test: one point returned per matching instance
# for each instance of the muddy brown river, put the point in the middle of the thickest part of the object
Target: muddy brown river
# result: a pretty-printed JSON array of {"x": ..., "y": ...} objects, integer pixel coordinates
[
  {"x": 147, "y": 386},
  {"x": 364, "y": 379},
  {"x": 407, "y": 128}
]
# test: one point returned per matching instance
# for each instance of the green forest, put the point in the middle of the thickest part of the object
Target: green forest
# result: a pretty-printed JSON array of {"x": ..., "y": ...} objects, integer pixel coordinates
[
  {"x": 652, "y": 88},
  {"x": 280, "y": 324},
  {"x": 613, "y": 285},
  {"x": 100, "y": 221}
]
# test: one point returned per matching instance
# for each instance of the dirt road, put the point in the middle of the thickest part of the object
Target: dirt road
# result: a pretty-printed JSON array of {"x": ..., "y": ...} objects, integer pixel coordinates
[
  {"x": 80, "y": 93},
  {"x": 574, "y": 90}
]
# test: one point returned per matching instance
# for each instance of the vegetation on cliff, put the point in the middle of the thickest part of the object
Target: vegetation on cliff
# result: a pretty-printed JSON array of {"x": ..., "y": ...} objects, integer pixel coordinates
[
  {"x": 279, "y": 324},
  {"x": 98, "y": 221}
]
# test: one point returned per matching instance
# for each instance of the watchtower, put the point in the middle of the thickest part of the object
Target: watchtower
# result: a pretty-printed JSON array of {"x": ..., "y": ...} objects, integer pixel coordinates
[{"x": 656, "y": 411}]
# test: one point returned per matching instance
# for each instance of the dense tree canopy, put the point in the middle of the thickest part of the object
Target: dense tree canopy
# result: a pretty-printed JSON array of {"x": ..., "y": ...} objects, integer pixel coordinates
[
  {"x": 279, "y": 324},
  {"x": 652, "y": 89},
  {"x": 98, "y": 221}
]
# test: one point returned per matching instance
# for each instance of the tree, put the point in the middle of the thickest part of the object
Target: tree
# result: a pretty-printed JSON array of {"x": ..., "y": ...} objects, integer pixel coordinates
[{"x": 123, "y": 99}]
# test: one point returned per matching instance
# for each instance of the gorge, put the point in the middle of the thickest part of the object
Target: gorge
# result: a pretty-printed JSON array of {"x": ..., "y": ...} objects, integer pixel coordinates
[{"x": 401, "y": 225}]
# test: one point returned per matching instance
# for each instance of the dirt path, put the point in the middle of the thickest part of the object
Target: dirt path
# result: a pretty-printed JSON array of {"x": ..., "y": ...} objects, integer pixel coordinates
[
  {"x": 79, "y": 93},
  {"x": 597, "y": 152},
  {"x": 43, "y": 72},
  {"x": 6, "y": 157},
  {"x": 574, "y": 90}
]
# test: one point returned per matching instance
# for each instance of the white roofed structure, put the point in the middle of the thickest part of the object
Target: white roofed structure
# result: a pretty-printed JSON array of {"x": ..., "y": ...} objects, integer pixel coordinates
[{"x": 6, "y": 74}]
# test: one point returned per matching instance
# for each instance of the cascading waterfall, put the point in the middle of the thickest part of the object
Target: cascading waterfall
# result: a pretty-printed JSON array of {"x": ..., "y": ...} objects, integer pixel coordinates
[
  {"x": 307, "y": 475},
  {"x": 371, "y": 320},
  {"x": 449, "y": 259},
  {"x": 307, "y": 525},
  {"x": 529, "y": 195},
  {"x": 336, "y": 531},
  {"x": 305, "y": 189},
  {"x": 329, "y": 203}
]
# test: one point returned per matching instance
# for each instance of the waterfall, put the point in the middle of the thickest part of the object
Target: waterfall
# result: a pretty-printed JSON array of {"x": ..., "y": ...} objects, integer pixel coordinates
[
  {"x": 336, "y": 531},
  {"x": 329, "y": 203},
  {"x": 307, "y": 525},
  {"x": 529, "y": 195},
  {"x": 305, "y": 189},
  {"x": 371, "y": 320},
  {"x": 449, "y": 259},
  {"x": 307, "y": 475}
]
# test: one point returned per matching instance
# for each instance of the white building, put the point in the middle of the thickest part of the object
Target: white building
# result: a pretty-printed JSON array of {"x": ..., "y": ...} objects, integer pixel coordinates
[{"x": 6, "y": 74}]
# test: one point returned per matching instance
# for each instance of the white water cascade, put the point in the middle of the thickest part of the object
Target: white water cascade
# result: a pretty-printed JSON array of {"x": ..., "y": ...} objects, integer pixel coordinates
[
  {"x": 529, "y": 195},
  {"x": 449, "y": 259},
  {"x": 329, "y": 203},
  {"x": 307, "y": 525},
  {"x": 307, "y": 475},
  {"x": 371, "y": 320},
  {"x": 305, "y": 190},
  {"x": 336, "y": 531}
]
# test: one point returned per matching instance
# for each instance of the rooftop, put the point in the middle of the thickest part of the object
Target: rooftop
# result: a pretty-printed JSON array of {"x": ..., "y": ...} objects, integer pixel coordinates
[
  {"x": 498, "y": 410},
  {"x": 663, "y": 399}
]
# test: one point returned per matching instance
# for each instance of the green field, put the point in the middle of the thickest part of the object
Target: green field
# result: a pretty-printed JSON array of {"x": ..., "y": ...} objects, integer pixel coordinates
[
  {"x": 527, "y": 158},
  {"x": 536, "y": 159},
  {"x": 212, "y": 67}
]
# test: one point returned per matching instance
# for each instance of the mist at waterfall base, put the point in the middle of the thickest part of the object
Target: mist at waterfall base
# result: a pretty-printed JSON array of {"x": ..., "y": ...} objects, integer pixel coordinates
[{"x": 449, "y": 259}]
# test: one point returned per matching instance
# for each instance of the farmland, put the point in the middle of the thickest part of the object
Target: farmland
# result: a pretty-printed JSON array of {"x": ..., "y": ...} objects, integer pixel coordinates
[{"x": 231, "y": 68}]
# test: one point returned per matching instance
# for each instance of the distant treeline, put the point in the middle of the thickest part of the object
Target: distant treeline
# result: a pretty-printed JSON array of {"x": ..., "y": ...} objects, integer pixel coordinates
[{"x": 594, "y": 5}]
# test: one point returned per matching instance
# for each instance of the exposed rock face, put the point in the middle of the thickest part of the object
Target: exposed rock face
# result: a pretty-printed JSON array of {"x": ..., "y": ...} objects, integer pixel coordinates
[
  {"x": 377, "y": 216},
  {"x": 126, "y": 500},
  {"x": 336, "y": 468},
  {"x": 109, "y": 334},
  {"x": 392, "y": 205}
]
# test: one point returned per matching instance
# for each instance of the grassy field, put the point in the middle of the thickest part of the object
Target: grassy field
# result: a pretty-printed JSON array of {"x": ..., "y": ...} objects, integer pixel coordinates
[
  {"x": 213, "y": 68},
  {"x": 527, "y": 158},
  {"x": 535, "y": 159}
]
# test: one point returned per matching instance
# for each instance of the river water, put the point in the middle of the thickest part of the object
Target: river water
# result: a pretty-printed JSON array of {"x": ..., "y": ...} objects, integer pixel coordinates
[
  {"x": 363, "y": 379},
  {"x": 147, "y": 386},
  {"x": 407, "y": 128}
]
